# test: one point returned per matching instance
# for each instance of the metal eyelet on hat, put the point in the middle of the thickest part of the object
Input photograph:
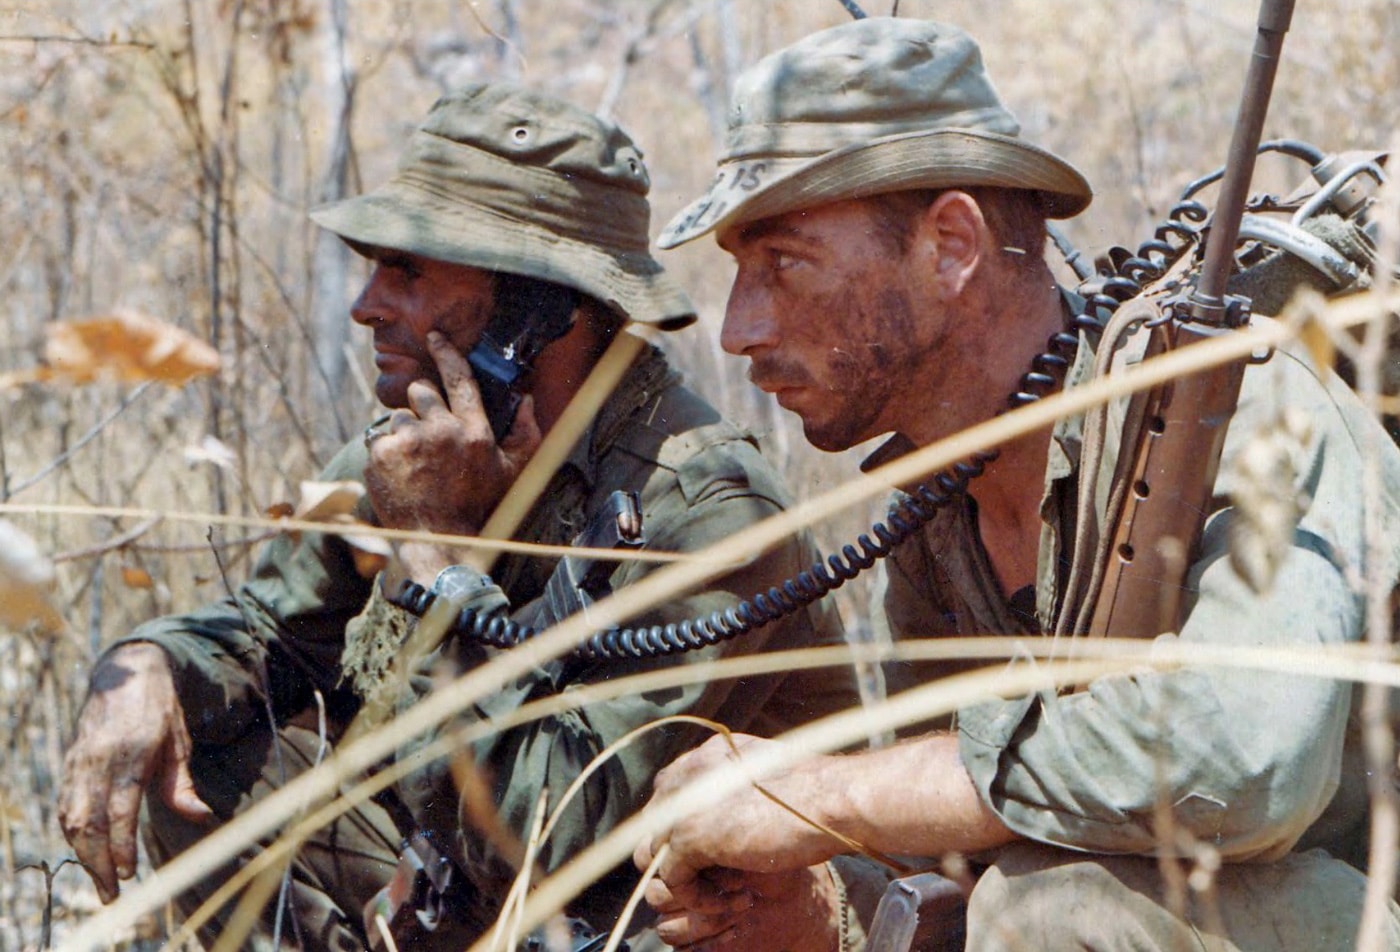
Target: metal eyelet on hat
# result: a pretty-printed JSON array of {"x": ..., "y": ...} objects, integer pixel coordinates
[{"x": 520, "y": 133}]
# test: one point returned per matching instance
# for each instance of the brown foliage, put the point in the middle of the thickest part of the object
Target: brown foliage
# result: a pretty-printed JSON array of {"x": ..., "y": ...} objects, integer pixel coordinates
[{"x": 127, "y": 347}]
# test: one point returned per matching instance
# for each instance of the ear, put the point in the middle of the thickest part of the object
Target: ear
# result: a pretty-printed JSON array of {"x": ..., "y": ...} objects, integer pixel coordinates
[{"x": 953, "y": 235}]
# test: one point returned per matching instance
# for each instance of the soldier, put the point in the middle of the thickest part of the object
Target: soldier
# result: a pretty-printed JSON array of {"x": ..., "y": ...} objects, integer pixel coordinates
[
  {"x": 888, "y": 222},
  {"x": 506, "y": 203}
]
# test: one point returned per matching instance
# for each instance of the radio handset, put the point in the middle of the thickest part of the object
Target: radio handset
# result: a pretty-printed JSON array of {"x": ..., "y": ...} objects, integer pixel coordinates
[{"x": 529, "y": 315}]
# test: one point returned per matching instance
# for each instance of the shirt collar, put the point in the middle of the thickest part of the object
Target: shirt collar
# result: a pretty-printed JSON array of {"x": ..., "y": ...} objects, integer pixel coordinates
[{"x": 643, "y": 383}]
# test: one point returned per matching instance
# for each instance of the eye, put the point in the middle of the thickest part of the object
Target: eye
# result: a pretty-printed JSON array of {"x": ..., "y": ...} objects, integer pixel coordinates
[
  {"x": 406, "y": 268},
  {"x": 782, "y": 260}
]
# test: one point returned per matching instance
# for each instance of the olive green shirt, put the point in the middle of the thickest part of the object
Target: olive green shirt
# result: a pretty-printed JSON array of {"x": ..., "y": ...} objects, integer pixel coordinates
[
  {"x": 1248, "y": 761},
  {"x": 699, "y": 479}
]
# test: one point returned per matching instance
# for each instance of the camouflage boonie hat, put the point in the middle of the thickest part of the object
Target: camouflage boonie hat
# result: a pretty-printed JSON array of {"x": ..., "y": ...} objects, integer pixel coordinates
[
  {"x": 507, "y": 179},
  {"x": 875, "y": 105}
]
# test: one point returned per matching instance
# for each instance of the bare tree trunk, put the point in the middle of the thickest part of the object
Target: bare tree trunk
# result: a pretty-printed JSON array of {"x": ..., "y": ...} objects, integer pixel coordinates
[
  {"x": 223, "y": 167},
  {"x": 731, "y": 45},
  {"x": 331, "y": 262},
  {"x": 510, "y": 42}
]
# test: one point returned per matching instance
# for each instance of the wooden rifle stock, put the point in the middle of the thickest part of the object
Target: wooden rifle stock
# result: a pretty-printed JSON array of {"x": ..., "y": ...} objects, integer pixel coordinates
[
  {"x": 1169, "y": 497},
  {"x": 1156, "y": 534}
]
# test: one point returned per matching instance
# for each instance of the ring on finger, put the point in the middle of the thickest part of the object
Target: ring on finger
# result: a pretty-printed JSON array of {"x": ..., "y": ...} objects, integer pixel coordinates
[{"x": 374, "y": 432}]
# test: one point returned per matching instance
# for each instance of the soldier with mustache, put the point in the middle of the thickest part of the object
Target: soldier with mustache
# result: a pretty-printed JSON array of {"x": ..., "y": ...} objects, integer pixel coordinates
[{"x": 504, "y": 199}]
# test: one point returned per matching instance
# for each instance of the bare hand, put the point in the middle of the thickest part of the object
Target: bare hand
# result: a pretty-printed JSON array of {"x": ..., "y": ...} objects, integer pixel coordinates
[
  {"x": 437, "y": 466},
  {"x": 131, "y": 735},
  {"x": 795, "y": 911},
  {"x": 745, "y": 831}
]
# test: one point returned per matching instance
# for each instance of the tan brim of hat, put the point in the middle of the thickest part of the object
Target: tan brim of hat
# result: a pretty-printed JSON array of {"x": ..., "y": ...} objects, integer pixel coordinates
[
  {"x": 404, "y": 216},
  {"x": 748, "y": 189}
]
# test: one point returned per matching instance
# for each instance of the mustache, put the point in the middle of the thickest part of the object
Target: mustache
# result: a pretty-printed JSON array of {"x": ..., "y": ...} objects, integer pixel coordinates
[
  {"x": 398, "y": 343},
  {"x": 775, "y": 372}
]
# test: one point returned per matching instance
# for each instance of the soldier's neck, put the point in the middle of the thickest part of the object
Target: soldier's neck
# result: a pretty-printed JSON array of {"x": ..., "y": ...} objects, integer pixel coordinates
[{"x": 1008, "y": 497}]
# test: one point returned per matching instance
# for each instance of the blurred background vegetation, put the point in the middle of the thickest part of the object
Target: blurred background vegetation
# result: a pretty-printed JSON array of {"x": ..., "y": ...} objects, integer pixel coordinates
[{"x": 161, "y": 156}]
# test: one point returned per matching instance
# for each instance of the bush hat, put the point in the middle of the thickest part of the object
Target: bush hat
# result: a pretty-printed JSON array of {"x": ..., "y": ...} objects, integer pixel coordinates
[
  {"x": 507, "y": 179},
  {"x": 875, "y": 105}
]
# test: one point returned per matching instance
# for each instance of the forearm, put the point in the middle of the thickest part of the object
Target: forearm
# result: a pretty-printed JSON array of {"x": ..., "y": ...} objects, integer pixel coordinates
[
  {"x": 933, "y": 808},
  {"x": 911, "y": 799}
]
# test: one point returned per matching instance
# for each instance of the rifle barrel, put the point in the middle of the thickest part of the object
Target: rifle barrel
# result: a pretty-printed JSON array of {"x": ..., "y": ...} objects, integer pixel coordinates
[{"x": 1208, "y": 299}]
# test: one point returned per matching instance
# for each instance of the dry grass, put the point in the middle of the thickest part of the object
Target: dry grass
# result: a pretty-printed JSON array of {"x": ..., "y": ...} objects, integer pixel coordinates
[{"x": 158, "y": 164}]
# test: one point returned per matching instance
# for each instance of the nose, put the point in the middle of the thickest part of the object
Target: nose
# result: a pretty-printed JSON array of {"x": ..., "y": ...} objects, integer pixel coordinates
[
  {"x": 369, "y": 308},
  {"x": 750, "y": 320}
]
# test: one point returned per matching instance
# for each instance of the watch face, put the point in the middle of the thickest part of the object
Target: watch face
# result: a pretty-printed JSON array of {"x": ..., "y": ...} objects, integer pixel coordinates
[{"x": 459, "y": 582}]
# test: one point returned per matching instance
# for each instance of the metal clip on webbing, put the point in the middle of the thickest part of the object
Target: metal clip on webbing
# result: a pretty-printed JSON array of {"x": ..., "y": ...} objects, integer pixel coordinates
[{"x": 581, "y": 581}]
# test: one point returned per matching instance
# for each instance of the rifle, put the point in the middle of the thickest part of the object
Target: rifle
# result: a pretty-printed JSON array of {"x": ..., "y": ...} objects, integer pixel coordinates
[
  {"x": 1183, "y": 422},
  {"x": 1159, "y": 505}
]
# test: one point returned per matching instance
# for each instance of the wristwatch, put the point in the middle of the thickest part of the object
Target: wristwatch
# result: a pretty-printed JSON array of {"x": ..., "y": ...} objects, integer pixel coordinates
[{"x": 459, "y": 583}]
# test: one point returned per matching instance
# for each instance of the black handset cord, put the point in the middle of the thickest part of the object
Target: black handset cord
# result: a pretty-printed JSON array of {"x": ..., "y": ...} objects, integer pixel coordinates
[{"x": 1102, "y": 293}]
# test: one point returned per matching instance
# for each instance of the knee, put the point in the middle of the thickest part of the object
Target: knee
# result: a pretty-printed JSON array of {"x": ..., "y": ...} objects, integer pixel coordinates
[{"x": 1040, "y": 897}]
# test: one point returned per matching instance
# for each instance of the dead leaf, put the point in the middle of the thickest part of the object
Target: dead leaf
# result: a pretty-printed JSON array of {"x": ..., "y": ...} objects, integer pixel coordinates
[
  {"x": 211, "y": 450},
  {"x": 322, "y": 502},
  {"x": 334, "y": 503},
  {"x": 280, "y": 510},
  {"x": 136, "y": 577},
  {"x": 371, "y": 560},
  {"x": 129, "y": 347},
  {"x": 26, "y": 580},
  {"x": 366, "y": 542},
  {"x": 18, "y": 378}
]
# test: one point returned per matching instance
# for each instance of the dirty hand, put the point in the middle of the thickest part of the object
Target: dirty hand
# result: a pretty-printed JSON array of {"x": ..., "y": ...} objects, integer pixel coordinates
[
  {"x": 744, "y": 830},
  {"x": 435, "y": 465},
  {"x": 131, "y": 736},
  {"x": 728, "y": 909}
]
